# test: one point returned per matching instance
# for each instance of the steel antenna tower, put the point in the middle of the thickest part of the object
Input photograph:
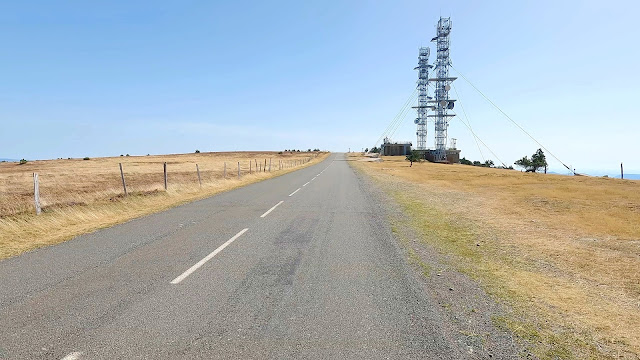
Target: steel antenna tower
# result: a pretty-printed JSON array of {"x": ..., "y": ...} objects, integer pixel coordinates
[
  {"x": 442, "y": 102},
  {"x": 423, "y": 98}
]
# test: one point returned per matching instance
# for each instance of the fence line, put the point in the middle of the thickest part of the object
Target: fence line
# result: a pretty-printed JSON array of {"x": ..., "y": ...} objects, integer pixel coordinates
[{"x": 263, "y": 166}]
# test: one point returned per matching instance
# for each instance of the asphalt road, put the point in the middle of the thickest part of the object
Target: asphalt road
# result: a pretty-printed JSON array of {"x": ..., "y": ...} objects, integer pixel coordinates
[{"x": 318, "y": 276}]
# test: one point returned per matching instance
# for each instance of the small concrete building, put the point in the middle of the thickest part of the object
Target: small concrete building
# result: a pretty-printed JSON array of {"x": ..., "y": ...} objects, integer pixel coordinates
[
  {"x": 453, "y": 155},
  {"x": 395, "y": 149}
]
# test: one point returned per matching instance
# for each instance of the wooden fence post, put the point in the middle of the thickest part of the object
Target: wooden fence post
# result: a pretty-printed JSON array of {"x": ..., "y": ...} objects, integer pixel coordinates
[
  {"x": 238, "y": 169},
  {"x": 124, "y": 184},
  {"x": 224, "y": 172},
  {"x": 621, "y": 172},
  {"x": 264, "y": 169},
  {"x": 256, "y": 165},
  {"x": 199, "y": 179},
  {"x": 36, "y": 193},
  {"x": 165, "y": 176}
]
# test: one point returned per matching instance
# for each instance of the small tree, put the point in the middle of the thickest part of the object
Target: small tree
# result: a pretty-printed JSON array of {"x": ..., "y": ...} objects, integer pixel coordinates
[
  {"x": 537, "y": 161},
  {"x": 488, "y": 163},
  {"x": 464, "y": 161},
  {"x": 413, "y": 157},
  {"x": 197, "y": 151},
  {"x": 375, "y": 149},
  {"x": 366, "y": 150}
]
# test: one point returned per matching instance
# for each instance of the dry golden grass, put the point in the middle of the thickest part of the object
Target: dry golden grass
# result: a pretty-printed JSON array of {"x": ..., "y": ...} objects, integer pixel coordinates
[
  {"x": 80, "y": 196},
  {"x": 563, "y": 251}
]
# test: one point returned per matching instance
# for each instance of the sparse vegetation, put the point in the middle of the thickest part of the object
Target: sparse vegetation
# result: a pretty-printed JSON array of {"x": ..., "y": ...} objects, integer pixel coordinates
[
  {"x": 487, "y": 163},
  {"x": 542, "y": 244},
  {"x": 86, "y": 158},
  {"x": 23, "y": 161},
  {"x": 197, "y": 151}
]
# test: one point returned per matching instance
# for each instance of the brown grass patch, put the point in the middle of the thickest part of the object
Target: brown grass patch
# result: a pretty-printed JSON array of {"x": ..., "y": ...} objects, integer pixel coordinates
[
  {"x": 563, "y": 251},
  {"x": 80, "y": 196}
]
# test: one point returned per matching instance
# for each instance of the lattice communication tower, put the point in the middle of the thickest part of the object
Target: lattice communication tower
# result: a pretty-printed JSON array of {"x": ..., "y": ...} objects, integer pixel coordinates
[
  {"x": 423, "y": 97},
  {"x": 442, "y": 103}
]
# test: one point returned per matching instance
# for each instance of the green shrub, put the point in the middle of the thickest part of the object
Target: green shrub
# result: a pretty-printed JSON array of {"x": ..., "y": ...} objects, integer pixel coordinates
[
  {"x": 85, "y": 158},
  {"x": 23, "y": 161},
  {"x": 197, "y": 151}
]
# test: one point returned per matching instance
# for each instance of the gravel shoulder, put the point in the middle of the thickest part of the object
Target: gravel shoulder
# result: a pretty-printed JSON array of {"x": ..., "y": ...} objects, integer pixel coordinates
[{"x": 470, "y": 311}]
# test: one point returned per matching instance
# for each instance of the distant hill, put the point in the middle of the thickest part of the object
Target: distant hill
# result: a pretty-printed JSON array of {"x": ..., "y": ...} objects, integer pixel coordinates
[{"x": 1, "y": 159}]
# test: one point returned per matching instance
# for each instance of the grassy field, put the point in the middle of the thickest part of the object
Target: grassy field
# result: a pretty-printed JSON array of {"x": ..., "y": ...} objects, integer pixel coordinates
[
  {"x": 80, "y": 196},
  {"x": 562, "y": 252}
]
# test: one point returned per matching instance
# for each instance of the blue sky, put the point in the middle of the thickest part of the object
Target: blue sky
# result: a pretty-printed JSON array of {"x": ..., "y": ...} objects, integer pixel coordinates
[{"x": 84, "y": 78}]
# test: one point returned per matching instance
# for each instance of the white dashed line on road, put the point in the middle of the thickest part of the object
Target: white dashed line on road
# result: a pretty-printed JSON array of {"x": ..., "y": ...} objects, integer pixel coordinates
[
  {"x": 73, "y": 356},
  {"x": 306, "y": 184},
  {"x": 207, "y": 258},
  {"x": 270, "y": 210},
  {"x": 294, "y": 192}
]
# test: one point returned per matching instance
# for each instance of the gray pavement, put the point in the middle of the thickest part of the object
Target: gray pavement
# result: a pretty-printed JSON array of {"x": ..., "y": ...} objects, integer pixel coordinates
[{"x": 320, "y": 276}]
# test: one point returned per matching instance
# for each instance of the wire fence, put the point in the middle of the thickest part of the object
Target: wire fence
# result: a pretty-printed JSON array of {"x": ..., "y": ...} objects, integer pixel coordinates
[{"x": 27, "y": 188}]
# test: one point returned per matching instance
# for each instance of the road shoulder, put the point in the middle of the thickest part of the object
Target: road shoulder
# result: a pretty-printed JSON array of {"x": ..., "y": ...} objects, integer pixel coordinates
[{"x": 470, "y": 310}]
